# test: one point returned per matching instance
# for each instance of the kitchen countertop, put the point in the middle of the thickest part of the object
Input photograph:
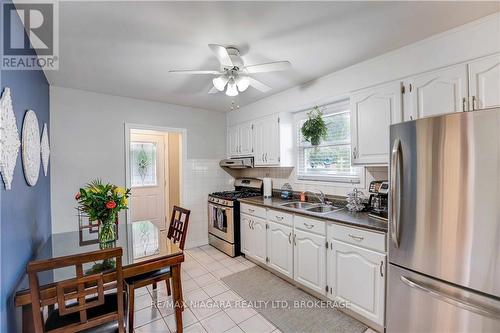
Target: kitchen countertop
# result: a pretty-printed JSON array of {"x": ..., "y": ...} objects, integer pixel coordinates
[{"x": 360, "y": 219}]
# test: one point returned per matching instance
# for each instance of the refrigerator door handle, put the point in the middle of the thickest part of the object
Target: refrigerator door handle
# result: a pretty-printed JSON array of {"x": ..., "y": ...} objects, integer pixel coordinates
[
  {"x": 395, "y": 191},
  {"x": 469, "y": 306}
]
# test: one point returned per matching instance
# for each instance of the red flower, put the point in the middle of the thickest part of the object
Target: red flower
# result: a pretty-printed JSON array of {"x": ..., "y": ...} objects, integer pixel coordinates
[
  {"x": 78, "y": 196},
  {"x": 110, "y": 204}
]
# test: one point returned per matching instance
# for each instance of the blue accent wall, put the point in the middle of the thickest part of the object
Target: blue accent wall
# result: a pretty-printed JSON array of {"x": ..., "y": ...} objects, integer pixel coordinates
[{"x": 25, "y": 220}]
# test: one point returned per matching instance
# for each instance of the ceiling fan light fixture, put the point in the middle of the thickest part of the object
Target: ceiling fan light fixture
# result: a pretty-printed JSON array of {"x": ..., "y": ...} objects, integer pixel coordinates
[
  {"x": 242, "y": 83},
  {"x": 220, "y": 82},
  {"x": 231, "y": 88}
]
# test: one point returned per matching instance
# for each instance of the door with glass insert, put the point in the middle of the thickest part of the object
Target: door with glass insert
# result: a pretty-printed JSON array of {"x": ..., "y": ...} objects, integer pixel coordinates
[{"x": 147, "y": 170}]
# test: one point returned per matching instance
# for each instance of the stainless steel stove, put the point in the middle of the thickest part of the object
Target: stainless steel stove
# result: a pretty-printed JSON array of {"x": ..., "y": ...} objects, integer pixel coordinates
[{"x": 224, "y": 214}]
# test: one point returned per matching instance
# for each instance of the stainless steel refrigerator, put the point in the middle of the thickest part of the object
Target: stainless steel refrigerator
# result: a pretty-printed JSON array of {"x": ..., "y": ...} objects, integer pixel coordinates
[{"x": 444, "y": 224}]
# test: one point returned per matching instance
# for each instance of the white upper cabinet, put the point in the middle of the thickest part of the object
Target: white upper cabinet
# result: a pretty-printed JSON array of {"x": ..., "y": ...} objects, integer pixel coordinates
[
  {"x": 310, "y": 260},
  {"x": 280, "y": 248},
  {"x": 240, "y": 140},
  {"x": 372, "y": 112},
  {"x": 267, "y": 141},
  {"x": 233, "y": 140},
  {"x": 436, "y": 93},
  {"x": 246, "y": 139},
  {"x": 484, "y": 83}
]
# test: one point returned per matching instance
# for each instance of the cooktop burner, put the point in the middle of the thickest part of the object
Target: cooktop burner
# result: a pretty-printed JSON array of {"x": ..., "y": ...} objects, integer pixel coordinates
[{"x": 233, "y": 195}]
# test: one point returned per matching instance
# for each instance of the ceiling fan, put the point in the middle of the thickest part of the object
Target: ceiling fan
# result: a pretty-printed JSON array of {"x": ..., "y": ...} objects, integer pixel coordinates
[{"x": 233, "y": 76}]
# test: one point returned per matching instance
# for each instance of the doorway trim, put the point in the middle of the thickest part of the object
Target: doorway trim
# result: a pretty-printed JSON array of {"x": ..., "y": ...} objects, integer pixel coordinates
[{"x": 182, "y": 131}]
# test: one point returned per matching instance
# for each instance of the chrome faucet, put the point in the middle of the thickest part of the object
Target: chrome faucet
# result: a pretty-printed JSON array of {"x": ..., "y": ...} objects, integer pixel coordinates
[{"x": 321, "y": 196}]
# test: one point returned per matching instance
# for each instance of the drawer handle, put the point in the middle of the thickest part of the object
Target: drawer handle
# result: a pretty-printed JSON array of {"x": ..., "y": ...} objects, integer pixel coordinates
[
  {"x": 357, "y": 238},
  {"x": 251, "y": 210},
  {"x": 308, "y": 226},
  {"x": 279, "y": 218}
]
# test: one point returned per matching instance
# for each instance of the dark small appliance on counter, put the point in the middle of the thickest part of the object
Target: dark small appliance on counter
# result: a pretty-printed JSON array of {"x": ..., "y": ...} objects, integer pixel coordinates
[{"x": 378, "y": 202}]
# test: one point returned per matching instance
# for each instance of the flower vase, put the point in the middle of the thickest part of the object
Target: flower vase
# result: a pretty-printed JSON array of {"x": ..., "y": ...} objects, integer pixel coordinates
[{"x": 107, "y": 234}]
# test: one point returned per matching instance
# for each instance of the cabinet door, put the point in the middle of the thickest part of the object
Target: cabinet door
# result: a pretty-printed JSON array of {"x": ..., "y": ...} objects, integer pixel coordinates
[
  {"x": 358, "y": 276},
  {"x": 373, "y": 111},
  {"x": 280, "y": 248},
  {"x": 484, "y": 83},
  {"x": 258, "y": 142},
  {"x": 258, "y": 247},
  {"x": 246, "y": 139},
  {"x": 310, "y": 260},
  {"x": 439, "y": 92},
  {"x": 271, "y": 140},
  {"x": 245, "y": 233},
  {"x": 233, "y": 141}
]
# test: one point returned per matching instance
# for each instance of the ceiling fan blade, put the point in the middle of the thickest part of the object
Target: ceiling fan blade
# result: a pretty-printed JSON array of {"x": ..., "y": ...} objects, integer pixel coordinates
[
  {"x": 221, "y": 54},
  {"x": 258, "y": 85},
  {"x": 187, "y": 71},
  {"x": 213, "y": 90},
  {"x": 269, "y": 67}
]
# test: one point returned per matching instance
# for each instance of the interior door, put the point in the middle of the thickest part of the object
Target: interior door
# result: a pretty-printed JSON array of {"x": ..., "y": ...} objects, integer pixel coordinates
[
  {"x": 147, "y": 169},
  {"x": 280, "y": 248},
  {"x": 310, "y": 260},
  {"x": 439, "y": 92},
  {"x": 484, "y": 83},
  {"x": 372, "y": 112},
  {"x": 358, "y": 277}
]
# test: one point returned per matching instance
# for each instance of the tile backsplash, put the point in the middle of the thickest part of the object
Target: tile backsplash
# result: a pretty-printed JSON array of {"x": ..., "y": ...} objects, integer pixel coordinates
[{"x": 281, "y": 176}]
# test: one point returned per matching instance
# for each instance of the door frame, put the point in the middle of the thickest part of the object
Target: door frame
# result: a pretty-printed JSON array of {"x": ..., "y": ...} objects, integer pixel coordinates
[{"x": 182, "y": 131}]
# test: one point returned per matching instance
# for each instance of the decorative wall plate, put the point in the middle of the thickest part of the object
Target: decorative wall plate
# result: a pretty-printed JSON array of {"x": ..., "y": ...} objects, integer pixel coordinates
[
  {"x": 45, "y": 149},
  {"x": 9, "y": 139},
  {"x": 31, "y": 148}
]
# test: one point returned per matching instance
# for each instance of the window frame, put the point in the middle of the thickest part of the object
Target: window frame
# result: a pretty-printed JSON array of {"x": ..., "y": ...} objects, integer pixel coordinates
[{"x": 357, "y": 180}]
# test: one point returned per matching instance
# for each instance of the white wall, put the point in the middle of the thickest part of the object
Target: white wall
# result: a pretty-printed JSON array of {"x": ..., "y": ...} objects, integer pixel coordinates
[
  {"x": 473, "y": 40},
  {"x": 88, "y": 141}
]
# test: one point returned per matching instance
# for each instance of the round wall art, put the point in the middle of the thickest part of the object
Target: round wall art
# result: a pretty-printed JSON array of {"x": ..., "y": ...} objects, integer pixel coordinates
[
  {"x": 9, "y": 139},
  {"x": 31, "y": 148},
  {"x": 45, "y": 149}
]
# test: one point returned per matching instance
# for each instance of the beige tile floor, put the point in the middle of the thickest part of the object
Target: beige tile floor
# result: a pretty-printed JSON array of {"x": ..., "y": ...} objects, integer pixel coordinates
[{"x": 206, "y": 297}]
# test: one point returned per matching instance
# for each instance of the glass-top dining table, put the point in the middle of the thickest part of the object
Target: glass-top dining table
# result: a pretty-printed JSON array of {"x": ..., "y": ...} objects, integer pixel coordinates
[{"x": 145, "y": 249}]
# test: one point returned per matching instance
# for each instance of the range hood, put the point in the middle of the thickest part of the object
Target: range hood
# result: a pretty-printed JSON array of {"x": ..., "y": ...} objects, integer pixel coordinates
[{"x": 237, "y": 163}]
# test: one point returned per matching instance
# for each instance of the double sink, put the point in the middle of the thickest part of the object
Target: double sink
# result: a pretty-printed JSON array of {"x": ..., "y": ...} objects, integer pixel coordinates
[{"x": 311, "y": 207}]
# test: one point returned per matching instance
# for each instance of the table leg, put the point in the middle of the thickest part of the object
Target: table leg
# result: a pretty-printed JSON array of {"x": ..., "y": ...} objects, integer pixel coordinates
[
  {"x": 177, "y": 295},
  {"x": 28, "y": 326}
]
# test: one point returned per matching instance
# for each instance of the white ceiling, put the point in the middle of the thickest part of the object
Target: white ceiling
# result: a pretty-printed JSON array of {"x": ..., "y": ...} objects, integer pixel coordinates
[{"x": 127, "y": 48}]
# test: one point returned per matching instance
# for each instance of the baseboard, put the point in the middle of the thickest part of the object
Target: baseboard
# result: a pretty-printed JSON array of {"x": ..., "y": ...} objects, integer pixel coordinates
[{"x": 196, "y": 243}]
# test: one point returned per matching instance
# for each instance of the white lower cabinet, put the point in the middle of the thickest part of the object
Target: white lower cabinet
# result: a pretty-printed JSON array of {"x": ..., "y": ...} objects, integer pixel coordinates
[
  {"x": 280, "y": 248},
  {"x": 357, "y": 276},
  {"x": 253, "y": 237},
  {"x": 310, "y": 260}
]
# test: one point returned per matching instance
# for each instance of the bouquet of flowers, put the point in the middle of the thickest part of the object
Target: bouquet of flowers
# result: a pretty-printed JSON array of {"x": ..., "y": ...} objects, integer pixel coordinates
[{"x": 102, "y": 202}]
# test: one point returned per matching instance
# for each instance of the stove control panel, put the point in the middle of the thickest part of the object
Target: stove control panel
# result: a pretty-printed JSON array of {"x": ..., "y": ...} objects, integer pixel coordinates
[{"x": 220, "y": 201}]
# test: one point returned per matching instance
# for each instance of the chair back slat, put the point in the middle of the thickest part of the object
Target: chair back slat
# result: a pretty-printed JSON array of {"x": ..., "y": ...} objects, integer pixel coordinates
[
  {"x": 72, "y": 295},
  {"x": 177, "y": 231}
]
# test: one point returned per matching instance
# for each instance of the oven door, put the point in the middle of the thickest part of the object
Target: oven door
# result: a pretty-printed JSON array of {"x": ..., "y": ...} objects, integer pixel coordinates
[{"x": 221, "y": 222}]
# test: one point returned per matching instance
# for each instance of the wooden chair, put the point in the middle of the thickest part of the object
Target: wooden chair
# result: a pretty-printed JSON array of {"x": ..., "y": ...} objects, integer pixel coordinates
[
  {"x": 177, "y": 232},
  {"x": 82, "y": 304}
]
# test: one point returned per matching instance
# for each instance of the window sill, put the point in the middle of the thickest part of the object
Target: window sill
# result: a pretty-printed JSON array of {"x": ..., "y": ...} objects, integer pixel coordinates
[{"x": 330, "y": 183}]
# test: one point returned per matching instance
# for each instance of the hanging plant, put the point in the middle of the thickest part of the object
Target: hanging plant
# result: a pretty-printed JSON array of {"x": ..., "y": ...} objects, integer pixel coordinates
[{"x": 314, "y": 129}]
